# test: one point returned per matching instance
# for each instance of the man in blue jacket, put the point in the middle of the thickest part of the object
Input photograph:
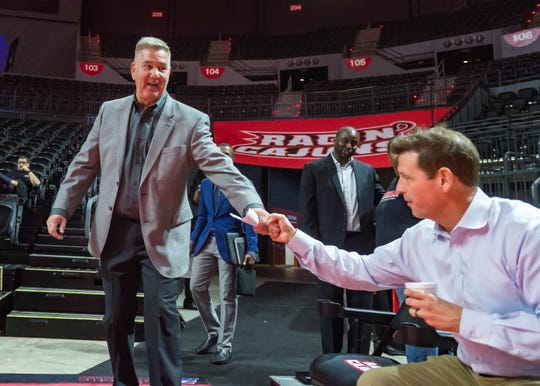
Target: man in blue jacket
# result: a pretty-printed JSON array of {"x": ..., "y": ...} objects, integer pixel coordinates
[{"x": 210, "y": 252}]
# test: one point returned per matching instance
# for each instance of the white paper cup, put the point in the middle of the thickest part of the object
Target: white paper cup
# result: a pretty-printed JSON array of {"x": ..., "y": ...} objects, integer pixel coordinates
[{"x": 428, "y": 286}]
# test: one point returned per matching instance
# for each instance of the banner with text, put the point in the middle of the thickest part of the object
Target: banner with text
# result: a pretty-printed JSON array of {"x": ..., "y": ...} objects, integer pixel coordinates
[{"x": 292, "y": 143}]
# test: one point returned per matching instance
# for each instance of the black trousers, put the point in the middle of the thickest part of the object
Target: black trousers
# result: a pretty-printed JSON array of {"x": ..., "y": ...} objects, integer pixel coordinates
[
  {"x": 125, "y": 267},
  {"x": 332, "y": 329}
]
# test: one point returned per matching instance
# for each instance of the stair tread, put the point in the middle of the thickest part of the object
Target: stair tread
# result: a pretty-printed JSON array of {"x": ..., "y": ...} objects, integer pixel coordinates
[
  {"x": 60, "y": 315},
  {"x": 60, "y": 269},
  {"x": 37, "y": 254},
  {"x": 59, "y": 290},
  {"x": 64, "y": 290},
  {"x": 61, "y": 248}
]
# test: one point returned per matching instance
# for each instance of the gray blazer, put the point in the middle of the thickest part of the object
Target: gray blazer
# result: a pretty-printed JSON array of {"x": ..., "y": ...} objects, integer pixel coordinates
[{"x": 181, "y": 140}]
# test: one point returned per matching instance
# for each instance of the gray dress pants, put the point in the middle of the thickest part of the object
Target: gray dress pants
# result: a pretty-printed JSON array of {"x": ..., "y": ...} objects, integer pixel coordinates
[{"x": 205, "y": 264}]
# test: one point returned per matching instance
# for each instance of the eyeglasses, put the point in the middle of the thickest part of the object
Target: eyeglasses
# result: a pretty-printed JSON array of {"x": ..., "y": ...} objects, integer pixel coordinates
[{"x": 22, "y": 162}]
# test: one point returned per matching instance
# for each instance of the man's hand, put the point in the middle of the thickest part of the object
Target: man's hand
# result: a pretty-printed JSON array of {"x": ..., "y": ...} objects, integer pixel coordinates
[
  {"x": 280, "y": 228},
  {"x": 249, "y": 261},
  {"x": 262, "y": 228},
  {"x": 438, "y": 313},
  {"x": 56, "y": 225}
]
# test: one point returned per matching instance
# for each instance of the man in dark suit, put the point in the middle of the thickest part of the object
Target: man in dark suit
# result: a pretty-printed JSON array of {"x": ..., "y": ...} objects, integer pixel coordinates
[
  {"x": 143, "y": 146},
  {"x": 210, "y": 255},
  {"x": 338, "y": 195}
]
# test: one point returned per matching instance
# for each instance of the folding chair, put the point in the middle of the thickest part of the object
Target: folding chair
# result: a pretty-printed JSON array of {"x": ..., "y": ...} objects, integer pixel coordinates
[{"x": 345, "y": 369}]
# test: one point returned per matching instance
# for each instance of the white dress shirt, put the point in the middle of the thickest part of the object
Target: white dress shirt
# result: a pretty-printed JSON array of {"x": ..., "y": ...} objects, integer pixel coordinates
[
  {"x": 489, "y": 264},
  {"x": 347, "y": 179}
]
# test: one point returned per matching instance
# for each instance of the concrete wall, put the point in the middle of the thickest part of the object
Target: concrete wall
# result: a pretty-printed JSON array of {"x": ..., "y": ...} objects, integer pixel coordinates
[{"x": 48, "y": 43}]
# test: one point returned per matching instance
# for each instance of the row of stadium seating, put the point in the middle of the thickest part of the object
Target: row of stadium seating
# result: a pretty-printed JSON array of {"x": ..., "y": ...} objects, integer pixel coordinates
[
  {"x": 49, "y": 145},
  {"x": 525, "y": 100},
  {"x": 482, "y": 16}
]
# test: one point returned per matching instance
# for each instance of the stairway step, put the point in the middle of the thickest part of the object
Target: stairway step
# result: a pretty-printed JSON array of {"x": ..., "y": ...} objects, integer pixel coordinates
[
  {"x": 65, "y": 261},
  {"x": 68, "y": 240},
  {"x": 60, "y": 278},
  {"x": 61, "y": 325},
  {"x": 63, "y": 300},
  {"x": 10, "y": 276},
  {"x": 71, "y": 231},
  {"x": 62, "y": 249},
  {"x": 13, "y": 254}
]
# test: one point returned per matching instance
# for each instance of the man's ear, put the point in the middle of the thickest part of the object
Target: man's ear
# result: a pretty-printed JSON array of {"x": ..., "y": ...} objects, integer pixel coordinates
[
  {"x": 446, "y": 178},
  {"x": 132, "y": 68}
]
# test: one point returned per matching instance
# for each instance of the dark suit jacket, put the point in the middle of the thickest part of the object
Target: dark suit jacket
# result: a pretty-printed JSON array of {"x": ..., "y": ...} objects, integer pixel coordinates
[
  {"x": 181, "y": 141},
  {"x": 209, "y": 217},
  {"x": 323, "y": 213}
]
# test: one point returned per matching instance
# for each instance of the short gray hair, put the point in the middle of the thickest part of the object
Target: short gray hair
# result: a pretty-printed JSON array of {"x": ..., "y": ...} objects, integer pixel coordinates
[{"x": 151, "y": 42}]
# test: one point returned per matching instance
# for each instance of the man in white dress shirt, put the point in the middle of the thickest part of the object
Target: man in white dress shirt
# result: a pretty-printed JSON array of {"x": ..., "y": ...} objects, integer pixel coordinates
[{"x": 482, "y": 252}]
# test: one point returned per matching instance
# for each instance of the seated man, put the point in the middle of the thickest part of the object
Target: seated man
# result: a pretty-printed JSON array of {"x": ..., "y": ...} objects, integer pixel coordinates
[
  {"x": 23, "y": 175},
  {"x": 483, "y": 253}
]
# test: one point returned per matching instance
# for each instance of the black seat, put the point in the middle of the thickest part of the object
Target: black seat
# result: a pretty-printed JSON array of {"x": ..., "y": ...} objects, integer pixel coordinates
[
  {"x": 10, "y": 217},
  {"x": 345, "y": 369}
]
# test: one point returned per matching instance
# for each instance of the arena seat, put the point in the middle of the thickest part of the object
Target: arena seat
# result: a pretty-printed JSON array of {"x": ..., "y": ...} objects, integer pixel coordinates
[
  {"x": 10, "y": 217},
  {"x": 345, "y": 369}
]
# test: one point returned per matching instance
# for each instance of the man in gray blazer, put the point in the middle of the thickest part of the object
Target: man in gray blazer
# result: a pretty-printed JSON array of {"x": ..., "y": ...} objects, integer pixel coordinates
[
  {"x": 143, "y": 148},
  {"x": 338, "y": 196}
]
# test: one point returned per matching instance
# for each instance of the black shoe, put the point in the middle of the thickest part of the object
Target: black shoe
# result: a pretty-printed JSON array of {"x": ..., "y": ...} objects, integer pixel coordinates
[
  {"x": 222, "y": 356},
  {"x": 189, "y": 305},
  {"x": 205, "y": 346}
]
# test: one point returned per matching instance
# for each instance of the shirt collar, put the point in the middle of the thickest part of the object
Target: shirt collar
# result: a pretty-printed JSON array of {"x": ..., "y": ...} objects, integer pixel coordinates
[
  {"x": 338, "y": 165},
  {"x": 155, "y": 108},
  {"x": 476, "y": 215}
]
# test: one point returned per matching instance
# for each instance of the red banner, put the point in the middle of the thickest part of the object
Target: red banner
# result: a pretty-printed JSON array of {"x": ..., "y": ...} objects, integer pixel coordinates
[{"x": 291, "y": 143}]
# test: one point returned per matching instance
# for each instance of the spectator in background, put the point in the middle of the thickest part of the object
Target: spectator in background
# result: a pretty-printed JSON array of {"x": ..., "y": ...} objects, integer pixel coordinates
[
  {"x": 338, "y": 195},
  {"x": 22, "y": 180},
  {"x": 143, "y": 146},
  {"x": 210, "y": 255},
  {"x": 483, "y": 253},
  {"x": 194, "y": 191},
  {"x": 393, "y": 217}
]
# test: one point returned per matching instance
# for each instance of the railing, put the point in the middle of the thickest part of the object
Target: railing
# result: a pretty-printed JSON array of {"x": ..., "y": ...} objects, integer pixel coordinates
[
  {"x": 509, "y": 149},
  {"x": 358, "y": 101}
]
